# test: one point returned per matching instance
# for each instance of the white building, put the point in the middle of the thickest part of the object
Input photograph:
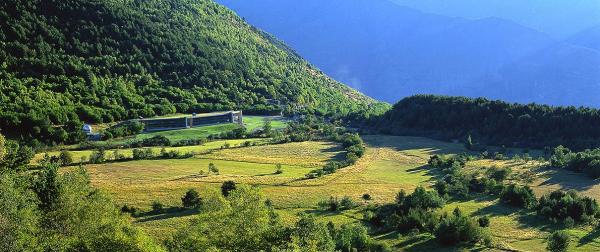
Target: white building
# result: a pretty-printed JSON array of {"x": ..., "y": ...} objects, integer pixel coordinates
[{"x": 87, "y": 129}]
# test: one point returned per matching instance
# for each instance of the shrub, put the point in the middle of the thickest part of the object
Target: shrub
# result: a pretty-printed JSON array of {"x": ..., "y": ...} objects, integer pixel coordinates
[
  {"x": 227, "y": 187},
  {"x": 130, "y": 209},
  {"x": 366, "y": 196},
  {"x": 213, "y": 168},
  {"x": 98, "y": 157},
  {"x": 347, "y": 203},
  {"x": 191, "y": 199},
  {"x": 278, "y": 169},
  {"x": 484, "y": 221},
  {"x": 157, "y": 207},
  {"x": 65, "y": 158},
  {"x": 498, "y": 174},
  {"x": 518, "y": 196},
  {"x": 562, "y": 205},
  {"x": 141, "y": 154},
  {"x": 558, "y": 241},
  {"x": 332, "y": 204},
  {"x": 456, "y": 229}
]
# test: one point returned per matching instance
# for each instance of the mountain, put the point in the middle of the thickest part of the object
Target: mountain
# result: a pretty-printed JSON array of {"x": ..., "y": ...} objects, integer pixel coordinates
[
  {"x": 109, "y": 60},
  {"x": 560, "y": 18},
  {"x": 388, "y": 51},
  {"x": 562, "y": 74},
  {"x": 589, "y": 38}
]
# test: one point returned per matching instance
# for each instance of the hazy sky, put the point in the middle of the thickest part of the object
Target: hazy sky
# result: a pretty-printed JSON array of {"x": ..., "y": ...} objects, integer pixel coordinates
[{"x": 559, "y": 18}]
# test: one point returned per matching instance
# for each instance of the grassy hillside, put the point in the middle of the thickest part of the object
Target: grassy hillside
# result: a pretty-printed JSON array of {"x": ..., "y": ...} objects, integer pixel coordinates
[
  {"x": 389, "y": 165},
  {"x": 108, "y": 60}
]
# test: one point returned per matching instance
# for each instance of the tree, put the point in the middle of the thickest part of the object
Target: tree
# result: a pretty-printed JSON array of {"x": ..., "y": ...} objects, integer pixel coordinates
[
  {"x": 191, "y": 199},
  {"x": 2, "y": 151},
  {"x": 469, "y": 143},
  {"x": 227, "y": 187},
  {"x": 310, "y": 235},
  {"x": 267, "y": 127},
  {"x": 558, "y": 241},
  {"x": 240, "y": 222}
]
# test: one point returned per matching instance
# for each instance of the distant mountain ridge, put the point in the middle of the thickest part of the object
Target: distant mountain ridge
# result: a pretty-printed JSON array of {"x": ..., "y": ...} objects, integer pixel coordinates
[{"x": 389, "y": 51}]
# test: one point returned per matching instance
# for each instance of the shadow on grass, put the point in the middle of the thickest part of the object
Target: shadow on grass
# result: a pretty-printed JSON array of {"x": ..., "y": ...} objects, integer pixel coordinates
[
  {"x": 406, "y": 143},
  {"x": 590, "y": 237},
  {"x": 168, "y": 213},
  {"x": 433, "y": 173},
  {"x": 568, "y": 180}
]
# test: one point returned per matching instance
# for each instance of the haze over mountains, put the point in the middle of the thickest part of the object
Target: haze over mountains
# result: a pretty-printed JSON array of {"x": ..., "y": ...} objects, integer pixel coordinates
[{"x": 389, "y": 51}]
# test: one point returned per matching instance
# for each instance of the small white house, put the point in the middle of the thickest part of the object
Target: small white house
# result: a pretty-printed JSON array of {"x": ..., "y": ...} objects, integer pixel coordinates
[{"x": 87, "y": 129}]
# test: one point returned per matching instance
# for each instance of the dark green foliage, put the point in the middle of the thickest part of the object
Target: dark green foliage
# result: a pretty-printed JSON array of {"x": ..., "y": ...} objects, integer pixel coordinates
[
  {"x": 484, "y": 221},
  {"x": 562, "y": 205},
  {"x": 494, "y": 122},
  {"x": 498, "y": 174},
  {"x": 72, "y": 61},
  {"x": 49, "y": 211},
  {"x": 558, "y": 241},
  {"x": 98, "y": 157},
  {"x": 65, "y": 158},
  {"x": 366, "y": 196},
  {"x": 141, "y": 154},
  {"x": 334, "y": 204},
  {"x": 587, "y": 161},
  {"x": 519, "y": 196},
  {"x": 157, "y": 207},
  {"x": 410, "y": 212},
  {"x": 16, "y": 156},
  {"x": 191, "y": 199},
  {"x": 128, "y": 128},
  {"x": 457, "y": 228},
  {"x": 227, "y": 187}
]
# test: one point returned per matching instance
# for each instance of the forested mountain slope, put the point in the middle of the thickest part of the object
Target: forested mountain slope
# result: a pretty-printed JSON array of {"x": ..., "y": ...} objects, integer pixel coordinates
[
  {"x": 108, "y": 60},
  {"x": 494, "y": 122}
]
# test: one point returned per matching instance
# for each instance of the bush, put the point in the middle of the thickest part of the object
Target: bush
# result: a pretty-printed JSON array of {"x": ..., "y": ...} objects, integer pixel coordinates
[
  {"x": 213, "y": 168},
  {"x": 499, "y": 174},
  {"x": 347, "y": 203},
  {"x": 366, "y": 196},
  {"x": 562, "y": 205},
  {"x": 484, "y": 221},
  {"x": 157, "y": 207},
  {"x": 98, "y": 157},
  {"x": 558, "y": 241},
  {"x": 65, "y": 158},
  {"x": 456, "y": 229},
  {"x": 518, "y": 196},
  {"x": 191, "y": 199},
  {"x": 227, "y": 187},
  {"x": 141, "y": 154},
  {"x": 278, "y": 169}
]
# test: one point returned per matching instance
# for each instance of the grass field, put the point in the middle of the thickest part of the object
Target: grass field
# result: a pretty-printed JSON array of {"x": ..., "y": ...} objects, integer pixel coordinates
[
  {"x": 251, "y": 123},
  {"x": 389, "y": 165}
]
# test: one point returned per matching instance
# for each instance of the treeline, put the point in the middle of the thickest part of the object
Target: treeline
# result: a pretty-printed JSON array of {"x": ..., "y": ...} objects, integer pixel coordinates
[
  {"x": 71, "y": 61},
  {"x": 493, "y": 122}
]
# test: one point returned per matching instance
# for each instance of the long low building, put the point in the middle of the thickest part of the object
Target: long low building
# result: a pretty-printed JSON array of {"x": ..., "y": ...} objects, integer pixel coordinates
[{"x": 195, "y": 120}]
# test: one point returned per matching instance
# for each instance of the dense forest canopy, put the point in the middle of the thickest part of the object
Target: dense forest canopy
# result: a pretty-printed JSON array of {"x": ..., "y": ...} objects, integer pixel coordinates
[
  {"x": 71, "y": 61},
  {"x": 494, "y": 122}
]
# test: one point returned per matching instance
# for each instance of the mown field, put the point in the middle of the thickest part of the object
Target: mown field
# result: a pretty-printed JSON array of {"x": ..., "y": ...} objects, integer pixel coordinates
[{"x": 389, "y": 165}]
